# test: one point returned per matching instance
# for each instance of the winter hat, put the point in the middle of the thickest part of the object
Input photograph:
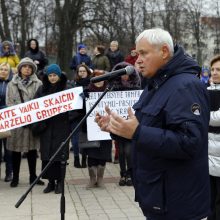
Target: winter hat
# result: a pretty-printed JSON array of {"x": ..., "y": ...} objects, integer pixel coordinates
[
  {"x": 6, "y": 43},
  {"x": 81, "y": 46},
  {"x": 53, "y": 68},
  {"x": 27, "y": 61}
]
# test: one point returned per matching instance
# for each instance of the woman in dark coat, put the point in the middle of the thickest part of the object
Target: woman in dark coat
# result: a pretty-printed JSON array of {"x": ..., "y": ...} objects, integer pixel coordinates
[
  {"x": 53, "y": 131},
  {"x": 36, "y": 55},
  {"x": 125, "y": 82},
  {"x": 97, "y": 157}
]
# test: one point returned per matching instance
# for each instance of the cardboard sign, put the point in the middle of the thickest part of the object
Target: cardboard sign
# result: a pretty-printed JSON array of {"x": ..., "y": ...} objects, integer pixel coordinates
[
  {"x": 40, "y": 109},
  {"x": 118, "y": 101}
]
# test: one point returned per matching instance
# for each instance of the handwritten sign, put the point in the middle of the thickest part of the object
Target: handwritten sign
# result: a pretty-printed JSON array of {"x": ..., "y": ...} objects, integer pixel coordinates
[
  {"x": 40, "y": 109},
  {"x": 118, "y": 101}
]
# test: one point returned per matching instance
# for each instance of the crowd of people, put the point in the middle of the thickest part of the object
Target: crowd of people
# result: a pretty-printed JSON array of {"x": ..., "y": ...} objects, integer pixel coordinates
[
  {"x": 31, "y": 77},
  {"x": 168, "y": 149}
]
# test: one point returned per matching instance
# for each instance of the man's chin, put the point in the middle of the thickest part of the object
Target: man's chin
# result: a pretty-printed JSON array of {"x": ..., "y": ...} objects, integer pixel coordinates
[{"x": 145, "y": 75}]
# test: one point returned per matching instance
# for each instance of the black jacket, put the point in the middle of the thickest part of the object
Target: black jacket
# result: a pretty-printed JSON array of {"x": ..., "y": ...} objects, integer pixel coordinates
[
  {"x": 36, "y": 54},
  {"x": 55, "y": 130}
]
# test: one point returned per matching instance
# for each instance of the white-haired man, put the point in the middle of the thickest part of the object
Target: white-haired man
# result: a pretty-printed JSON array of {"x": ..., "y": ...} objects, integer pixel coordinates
[{"x": 168, "y": 131}]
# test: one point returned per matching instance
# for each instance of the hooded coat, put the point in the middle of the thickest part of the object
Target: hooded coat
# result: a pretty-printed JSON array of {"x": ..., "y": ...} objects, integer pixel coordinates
[
  {"x": 36, "y": 54},
  {"x": 22, "y": 139},
  {"x": 170, "y": 144},
  {"x": 133, "y": 83},
  {"x": 10, "y": 57}
]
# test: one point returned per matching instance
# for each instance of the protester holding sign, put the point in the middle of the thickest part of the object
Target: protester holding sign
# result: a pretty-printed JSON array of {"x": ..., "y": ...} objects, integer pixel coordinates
[
  {"x": 21, "y": 89},
  {"x": 5, "y": 77},
  {"x": 98, "y": 156},
  {"x": 125, "y": 82},
  {"x": 82, "y": 78},
  {"x": 53, "y": 131}
]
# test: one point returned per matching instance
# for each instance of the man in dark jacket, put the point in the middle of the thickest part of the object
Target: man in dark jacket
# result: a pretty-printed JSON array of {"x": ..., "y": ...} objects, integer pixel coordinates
[{"x": 169, "y": 132}]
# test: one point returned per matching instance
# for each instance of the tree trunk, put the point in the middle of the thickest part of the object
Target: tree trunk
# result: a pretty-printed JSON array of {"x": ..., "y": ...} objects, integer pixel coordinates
[
  {"x": 6, "y": 30},
  {"x": 65, "y": 46},
  {"x": 23, "y": 27},
  {"x": 67, "y": 17}
]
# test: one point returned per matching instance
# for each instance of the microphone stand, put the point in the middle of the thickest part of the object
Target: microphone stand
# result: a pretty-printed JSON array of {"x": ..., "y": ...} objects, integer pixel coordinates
[{"x": 63, "y": 160}]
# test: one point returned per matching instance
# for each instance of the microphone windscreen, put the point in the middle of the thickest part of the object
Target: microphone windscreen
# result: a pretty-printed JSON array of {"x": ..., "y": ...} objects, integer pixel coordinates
[{"x": 129, "y": 70}]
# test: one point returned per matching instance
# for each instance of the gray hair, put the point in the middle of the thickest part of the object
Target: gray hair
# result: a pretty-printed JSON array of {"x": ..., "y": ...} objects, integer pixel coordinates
[{"x": 157, "y": 37}]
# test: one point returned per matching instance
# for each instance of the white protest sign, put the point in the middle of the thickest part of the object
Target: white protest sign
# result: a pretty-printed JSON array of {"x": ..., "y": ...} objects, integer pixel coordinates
[
  {"x": 118, "y": 101},
  {"x": 40, "y": 109}
]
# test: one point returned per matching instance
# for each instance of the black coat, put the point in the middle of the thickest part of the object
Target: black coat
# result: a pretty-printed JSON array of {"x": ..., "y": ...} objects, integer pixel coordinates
[
  {"x": 55, "y": 130},
  {"x": 114, "y": 57},
  {"x": 105, "y": 149},
  {"x": 36, "y": 54},
  {"x": 101, "y": 153}
]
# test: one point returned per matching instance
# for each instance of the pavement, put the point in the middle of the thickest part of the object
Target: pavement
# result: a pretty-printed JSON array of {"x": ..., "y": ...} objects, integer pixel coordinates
[{"x": 114, "y": 202}]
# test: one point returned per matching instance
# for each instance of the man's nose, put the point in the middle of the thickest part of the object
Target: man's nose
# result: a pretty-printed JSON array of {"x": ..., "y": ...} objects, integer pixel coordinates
[{"x": 138, "y": 61}]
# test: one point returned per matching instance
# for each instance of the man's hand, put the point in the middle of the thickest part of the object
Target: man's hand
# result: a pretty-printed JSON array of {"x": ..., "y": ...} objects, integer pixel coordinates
[
  {"x": 103, "y": 121},
  {"x": 122, "y": 127}
]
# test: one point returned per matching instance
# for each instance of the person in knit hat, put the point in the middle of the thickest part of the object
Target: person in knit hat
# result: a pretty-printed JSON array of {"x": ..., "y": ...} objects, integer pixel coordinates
[
  {"x": 53, "y": 68},
  {"x": 29, "y": 62},
  {"x": 205, "y": 76},
  {"x": 22, "y": 88},
  {"x": 81, "y": 47},
  {"x": 81, "y": 57},
  {"x": 53, "y": 131}
]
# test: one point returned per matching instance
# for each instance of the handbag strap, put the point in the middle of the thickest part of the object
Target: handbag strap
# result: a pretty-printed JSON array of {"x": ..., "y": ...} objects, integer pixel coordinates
[{"x": 20, "y": 94}]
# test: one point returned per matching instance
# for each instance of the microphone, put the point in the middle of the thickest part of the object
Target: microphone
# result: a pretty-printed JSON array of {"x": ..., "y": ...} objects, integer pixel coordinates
[{"x": 128, "y": 70}]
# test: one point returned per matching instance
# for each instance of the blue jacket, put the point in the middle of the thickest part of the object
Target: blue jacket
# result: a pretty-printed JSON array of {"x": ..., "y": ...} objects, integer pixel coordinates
[
  {"x": 80, "y": 59},
  {"x": 170, "y": 145}
]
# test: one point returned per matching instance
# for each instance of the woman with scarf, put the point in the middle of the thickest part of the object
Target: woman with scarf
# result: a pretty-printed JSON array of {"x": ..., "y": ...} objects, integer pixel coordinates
[
  {"x": 82, "y": 78},
  {"x": 37, "y": 56},
  {"x": 22, "y": 88}
]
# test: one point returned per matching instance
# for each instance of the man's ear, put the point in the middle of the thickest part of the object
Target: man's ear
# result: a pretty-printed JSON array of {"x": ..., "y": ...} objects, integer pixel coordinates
[{"x": 165, "y": 52}]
